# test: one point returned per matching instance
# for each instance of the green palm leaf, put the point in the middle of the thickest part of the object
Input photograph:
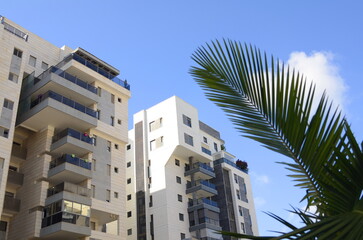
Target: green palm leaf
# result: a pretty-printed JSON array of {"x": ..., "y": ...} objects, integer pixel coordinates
[{"x": 272, "y": 104}]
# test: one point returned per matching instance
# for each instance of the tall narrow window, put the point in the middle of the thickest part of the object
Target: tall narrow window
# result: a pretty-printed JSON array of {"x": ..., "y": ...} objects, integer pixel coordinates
[
  {"x": 238, "y": 195},
  {"x": 108, "y": 170},
  {"x": 108, "y": 195},
  {"x": 188, "y": 139},
  {"x": 112, "y": 98},
  {"x": 109, "y": 146},
  {"x": 112, "y": 121},
  {"x": 44, "y": 66},
  {"x": 32, "y": 61},
  {"x": 93, "y": 188},
  {"x": 13, "y": 77},
  {"x": 94, "y": 164},
  {"x": 187, "y": 121},
  {"x": 8, "y": 104},
  {"x": 216, "y": 147},
  {"x": 18, "y": 52},
  {"x": 150, "y": 201}
]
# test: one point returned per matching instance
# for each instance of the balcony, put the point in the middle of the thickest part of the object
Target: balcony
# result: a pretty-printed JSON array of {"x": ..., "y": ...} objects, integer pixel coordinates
[
  {"x": 61, "y": 82},
  {"x": 18, "y": 154},
  {"x": 54, "y": 109},
  {"x": 65, "y": 225},
  {"x": 205, "y": 222},
  {"x": 11, "y": 205},
  {"x": 15, "y": 179},
  {"x": 72, "y": 141},
  {"x": 96, "y": 68},
  {"x": 200, "y": 171},
  {"x": 69, "y": 167},
  {"x": 203, "y": 203},
  {"x": 203, "y": 189},
  {"x": 69, "y": 191},
  {"x": 229, "y": 162}
]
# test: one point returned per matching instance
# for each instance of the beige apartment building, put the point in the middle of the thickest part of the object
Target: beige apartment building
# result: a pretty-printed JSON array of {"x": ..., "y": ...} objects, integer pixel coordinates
[{"x": 63, "y": 132}]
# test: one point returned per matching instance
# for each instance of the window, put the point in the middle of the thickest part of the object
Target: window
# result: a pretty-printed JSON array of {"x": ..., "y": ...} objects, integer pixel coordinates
[
  {"x": 93, "y": 188},
  {"x": 99, "y": 91},
  {"x": 108, "y": 170},
  {"x": 119, "y": 100},
  {"x": 129, "y": 197},
  {"x": 188, "y": 139},
  {"x": 236, "y": 178},
  {"x": 98, "y": 114},
  {"x": 8, "y": 104},
  {"x": 187, "y": 121},
  {"x": 119, "y": 121},
  {"x": 240, "y": 211},
  {"x": 128, "y": 164},
  {"x": 129, "y": 231},
  {"x": 129, "y": 214},
  {"x": 94, "y": 140},
  {"x": 108, "y": 195},
  {"x": 180, "y": 198},
  {"x": 2, "y": 160},
  {"x": 205, "y": 140},
  {"x": 115, "y": 169},
  {"x": 112, "y": 98},
  {"x": 115, "y": 194},
  {"x": 178, "y": 179},
  {"x": 94, "y": 164},
  {"x": 112, "y": 121},
  {"x": 182, "y": 236},
  {"x": 13, "y": 77},
  {"x": 93, "y": 225},
  {"x": 177, "y": 162},
  {"x": 216, "y": 147},
  {"x": 32, "y": 61},
  {"x": 109, "y": 146},
  {"x": 44, "y": 66},
  {"x": 128, "y": 147},
  {"x": 128, "y": 180},
  {"x": 238, "y": 195},
  {"x": 116, "y": 146},
  {"x": 18, "y": 52},
  {"x": 243, "y": 228},
  {"x": 150, "y": 201},
  {"x": 4, "y": 132},
  {"x": 155, "y": 124},
  {"x": 181, "y": 217}
]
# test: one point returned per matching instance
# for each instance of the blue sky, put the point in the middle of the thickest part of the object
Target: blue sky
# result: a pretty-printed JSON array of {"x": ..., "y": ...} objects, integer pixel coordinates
[{"x": 151, "y": 43}]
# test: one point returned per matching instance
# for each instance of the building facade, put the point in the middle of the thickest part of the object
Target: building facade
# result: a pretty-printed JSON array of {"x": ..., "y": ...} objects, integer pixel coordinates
[
  {"x": 180, "y": 181},
  {"x": 63, "y": 132}
]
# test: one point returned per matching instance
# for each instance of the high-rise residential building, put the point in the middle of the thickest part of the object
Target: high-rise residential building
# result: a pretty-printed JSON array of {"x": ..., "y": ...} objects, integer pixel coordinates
[
  {"x": 181, "y": 182},
  {"x": 63, "y": 132}
]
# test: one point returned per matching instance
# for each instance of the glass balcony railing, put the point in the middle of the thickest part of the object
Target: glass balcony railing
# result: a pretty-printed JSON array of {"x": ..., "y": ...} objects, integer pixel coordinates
[
  {"x": 66, "y": 217},
  {"x": 199, "y": 164},
  {"x": 72, "y": 160},
  {"x": 95, "y": 68},
  {"x": 207, "y": 151},
  {"x": 203, "y": 200},
  {"x": 208, "y": 184},
  {"x": 64, "y": 75},
  {"x": 75, "y": 134},
  {"x": 69, "y": 187},
  {"x": 203, "y": 182},
  {"x": 64, "y": 100}
]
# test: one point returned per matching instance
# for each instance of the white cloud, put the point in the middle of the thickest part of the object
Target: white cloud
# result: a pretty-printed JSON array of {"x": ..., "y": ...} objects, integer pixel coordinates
[
  {"x": 261, "y": 179},
  {"x": 320, "y": 68},
  {"x": 259, "y": 201}
]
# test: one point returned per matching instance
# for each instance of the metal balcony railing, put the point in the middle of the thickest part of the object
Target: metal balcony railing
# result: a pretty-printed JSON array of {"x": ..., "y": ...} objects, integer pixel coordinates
[{"x": 64, "y": 100}]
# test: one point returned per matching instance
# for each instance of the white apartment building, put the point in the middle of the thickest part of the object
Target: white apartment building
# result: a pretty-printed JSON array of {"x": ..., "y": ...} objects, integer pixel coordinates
[
  {"x": 63, "y": 132},
  {"x": 181, "y": 184}
]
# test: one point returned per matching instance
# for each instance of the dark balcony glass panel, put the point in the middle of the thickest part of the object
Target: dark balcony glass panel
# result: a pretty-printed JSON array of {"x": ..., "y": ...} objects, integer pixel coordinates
[
  {"x": 73, "y": 133},
  {"x": 72, "y": 160}
]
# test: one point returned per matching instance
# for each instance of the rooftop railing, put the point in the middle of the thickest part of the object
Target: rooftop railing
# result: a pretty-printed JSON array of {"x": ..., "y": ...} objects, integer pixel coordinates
[
  {"x": 64, "y": 100},
  {"x": 95, "y": 68},
  {"x": 67, "y": 158},
  {"x": 224, "y": 160},
  {"x": 75, "y": 134}
]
